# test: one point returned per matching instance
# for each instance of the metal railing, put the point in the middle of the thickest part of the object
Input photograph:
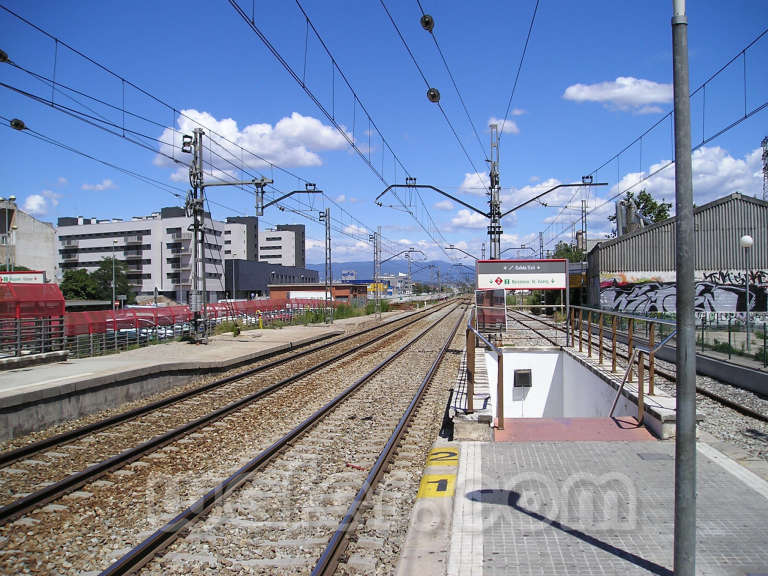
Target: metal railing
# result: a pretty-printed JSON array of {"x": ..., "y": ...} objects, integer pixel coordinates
[
  {"x": 23, "y": 336},
  {"x": 638, "y": 352},
  {"x": 472, "y": 334},
  {"x": 623, "y": 327}
]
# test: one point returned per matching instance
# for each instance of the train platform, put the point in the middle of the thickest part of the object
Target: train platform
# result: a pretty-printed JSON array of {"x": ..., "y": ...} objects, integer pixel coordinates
[
  {"x": 568, "y": 505},
  {"x": 575, "y": 496},
  {"x": 33, "y": 397}
]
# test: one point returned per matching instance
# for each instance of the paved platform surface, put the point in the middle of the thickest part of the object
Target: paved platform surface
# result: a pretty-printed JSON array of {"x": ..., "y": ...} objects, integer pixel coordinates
[
  {"x": 43, "y": 381},
  {"x": 599, "y": 508}
]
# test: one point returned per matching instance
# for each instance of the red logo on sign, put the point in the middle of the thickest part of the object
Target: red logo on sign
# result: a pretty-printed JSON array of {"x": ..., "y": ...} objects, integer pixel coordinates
[{"x": 498, "y": 280}]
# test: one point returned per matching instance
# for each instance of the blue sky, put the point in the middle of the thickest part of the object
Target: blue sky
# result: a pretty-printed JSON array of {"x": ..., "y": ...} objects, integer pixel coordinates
[{"x": 595, "y": 77}]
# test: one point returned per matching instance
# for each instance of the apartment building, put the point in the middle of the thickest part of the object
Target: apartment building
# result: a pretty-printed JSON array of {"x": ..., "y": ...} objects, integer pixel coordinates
[
  {"x": 26, "y": 241},
  {"x": 156, "y": 249},
  {"x": 241, "y": 238},
  {"x": 283, "y": 245}
]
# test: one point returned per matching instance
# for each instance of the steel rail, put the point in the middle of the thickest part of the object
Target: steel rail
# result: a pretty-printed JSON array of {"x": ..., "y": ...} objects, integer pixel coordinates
[
  {"x": 156, "y": 542},
  {"x": 732, "y": 404},
  {"x": 540, "y": 334},
  {"x": 73, "y": 481},
  {"x": 331, "y": 556},
  {"x": 11, "y": 456}
]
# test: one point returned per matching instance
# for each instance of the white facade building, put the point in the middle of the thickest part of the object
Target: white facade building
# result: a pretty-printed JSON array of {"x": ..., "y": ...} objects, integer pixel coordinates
[
  {"x": 26, "y": 241},
  {"x": 235, "y": 241},
  {"x": 277, "y": 247},
  {"x": 156, "y": 249}
]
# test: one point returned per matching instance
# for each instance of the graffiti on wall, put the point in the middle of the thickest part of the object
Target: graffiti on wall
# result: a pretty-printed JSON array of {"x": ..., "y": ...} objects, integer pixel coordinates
[{"x": 716, "y": 291}]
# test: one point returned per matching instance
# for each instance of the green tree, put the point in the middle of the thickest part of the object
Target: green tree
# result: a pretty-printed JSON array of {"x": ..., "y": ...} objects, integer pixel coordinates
[
  {"x": 569, "y": 252},
  {"x": 102, "y": 276},
  {"x": 647, "y": 207},
  {"x": 79, "y": 285}
]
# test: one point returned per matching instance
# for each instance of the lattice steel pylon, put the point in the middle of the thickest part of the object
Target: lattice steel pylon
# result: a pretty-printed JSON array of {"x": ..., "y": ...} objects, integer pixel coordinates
[
  {"x": 764, "y": 144},
  {"x": 326, "y": 217}
]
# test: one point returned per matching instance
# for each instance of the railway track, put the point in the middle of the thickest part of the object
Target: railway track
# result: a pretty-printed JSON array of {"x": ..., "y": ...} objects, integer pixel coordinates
[
  {"x": 339, "y": 443},
  {"x": 63, "y": 463},
  {"x": 664, "y": 369},
  {"x": 88, "y": 528}
]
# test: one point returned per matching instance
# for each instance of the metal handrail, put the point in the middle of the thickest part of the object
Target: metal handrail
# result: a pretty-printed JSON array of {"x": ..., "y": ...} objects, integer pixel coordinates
[
  {"x": 635, "y": 351},
  {"x": 470, "y": 372},
  {"x": 628, "y": 316},
  {"x": 483, "y": 338},
  {"x": 659, "y": 346}
]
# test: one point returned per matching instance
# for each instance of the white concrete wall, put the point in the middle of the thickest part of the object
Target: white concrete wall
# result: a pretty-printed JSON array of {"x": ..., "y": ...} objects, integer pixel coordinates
[
  {"x": 235, "y": 241},
  {"x": 586, "y": 395},
  {"x": 562, "y": 387},
  {"x": 280, "y": 243},
  {"x": 33, "y": 245},
  {"x": 544, "y": 398}
]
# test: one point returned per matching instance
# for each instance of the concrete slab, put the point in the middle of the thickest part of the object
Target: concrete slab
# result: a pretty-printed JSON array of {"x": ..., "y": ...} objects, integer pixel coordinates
[{"x": 624, "y": 429}]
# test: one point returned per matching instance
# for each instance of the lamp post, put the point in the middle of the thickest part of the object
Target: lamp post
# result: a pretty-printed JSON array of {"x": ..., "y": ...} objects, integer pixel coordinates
[
  {"x": 13, "y": 240},
  {"x": 746, "y": 242},
  {"x": 114, "y": 243}
]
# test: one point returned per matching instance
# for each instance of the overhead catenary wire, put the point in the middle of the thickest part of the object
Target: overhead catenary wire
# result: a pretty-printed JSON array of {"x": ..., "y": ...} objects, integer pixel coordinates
[
  {"x": 519, "y": 69},
  {"x": 439, "y": 105},
  {"x": 668, "y": 116},
  {"x": 125, "y": 82},
  {"x": 431, "y": 229},
  {"x": 453, "y": 81}
]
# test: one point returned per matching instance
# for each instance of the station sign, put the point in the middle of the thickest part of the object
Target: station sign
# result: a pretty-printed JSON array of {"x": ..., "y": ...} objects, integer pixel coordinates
[
  {"x": 545, "y": 274},
  {"x": 23, "y": 277}
]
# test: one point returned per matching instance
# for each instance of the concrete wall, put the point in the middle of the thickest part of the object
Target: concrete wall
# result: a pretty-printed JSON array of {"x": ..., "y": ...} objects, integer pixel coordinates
[
  {"x": 562, "y": 387},
  {"x": 586, "y": 395},
  {"x": 34, "y": 244}
]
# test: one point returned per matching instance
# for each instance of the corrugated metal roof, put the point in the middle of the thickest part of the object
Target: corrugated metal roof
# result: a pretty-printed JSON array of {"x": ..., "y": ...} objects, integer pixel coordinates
[{"x": 718, "y": 226}]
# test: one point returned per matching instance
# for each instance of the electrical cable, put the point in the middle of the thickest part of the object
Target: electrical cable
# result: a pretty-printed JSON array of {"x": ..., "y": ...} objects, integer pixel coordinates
[
  {"x": 431, "y": 229},
  {"x": 421, "y": 72},
  {"x": 109, "y": 71},
  {"x": 453, "y": 81},
  {"x": 669, "y": 116},
  {"x": 519, "y": 68}
]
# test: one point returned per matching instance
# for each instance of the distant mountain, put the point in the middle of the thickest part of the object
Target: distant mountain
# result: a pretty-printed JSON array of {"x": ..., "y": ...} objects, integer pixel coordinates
[{"x": 421, "y": 273}]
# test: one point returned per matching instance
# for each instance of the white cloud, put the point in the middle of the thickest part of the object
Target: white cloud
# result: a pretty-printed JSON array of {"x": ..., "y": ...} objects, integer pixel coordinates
[
  {"x": 340, "y": 198},
  {"x": 444, "y": 205},
  {"x": 355, "y": 229},
  {"x": 509, "y": 127},
  {"x": 715, "y": 174},
  {"x": 105, "y": 184},
  {"x": 292, "y": 141},
  {"x": 625, "y": 93},
  {"x": 35, "y": 204},
  {"x": 353, "y": 200},
  {"x": 515, "y": 196},
  {"x": 468, "y": 219},
  {"x": 40, "y": 203},
  {"x": 475, "y": 183},
  {"x": 61, "y": 181}
]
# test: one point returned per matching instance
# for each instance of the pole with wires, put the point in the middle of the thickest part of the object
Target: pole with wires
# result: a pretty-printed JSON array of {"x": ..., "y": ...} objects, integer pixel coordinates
[
  {"x": 376, "y": 239},
  {"x": 326, "y": 217},
  {"x": 685, "y": 444},
  {"x": 494, "y": 228},
  {"x": 193, "y": 144}
]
